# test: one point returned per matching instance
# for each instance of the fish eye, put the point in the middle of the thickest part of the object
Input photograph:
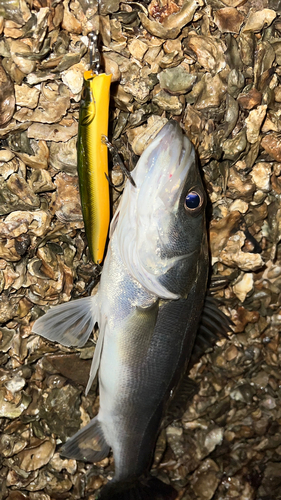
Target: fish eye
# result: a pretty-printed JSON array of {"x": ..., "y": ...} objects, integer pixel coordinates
[{"x": 193, "y": 201}]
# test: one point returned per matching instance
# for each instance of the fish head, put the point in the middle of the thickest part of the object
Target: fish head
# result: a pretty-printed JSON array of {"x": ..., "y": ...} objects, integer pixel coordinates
[{"x": 161, "y": 229}]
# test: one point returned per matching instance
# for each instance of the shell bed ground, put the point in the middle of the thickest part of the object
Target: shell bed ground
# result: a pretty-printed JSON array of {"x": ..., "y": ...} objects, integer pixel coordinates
[{"x": 216, "y": 67}]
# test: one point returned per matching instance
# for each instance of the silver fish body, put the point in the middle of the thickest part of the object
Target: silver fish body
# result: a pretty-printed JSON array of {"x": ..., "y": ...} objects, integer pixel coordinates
[{"x": 148, "y": 307}]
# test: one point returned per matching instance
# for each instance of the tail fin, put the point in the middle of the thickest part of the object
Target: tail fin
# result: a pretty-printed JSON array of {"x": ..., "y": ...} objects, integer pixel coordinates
[
  {"x": 88, "y": 444},
  {"x": 149, "y": 488}
]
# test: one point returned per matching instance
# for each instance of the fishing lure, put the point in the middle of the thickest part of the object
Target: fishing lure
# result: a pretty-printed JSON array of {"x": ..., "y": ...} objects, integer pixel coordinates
[{"x": 93, "y": 155}]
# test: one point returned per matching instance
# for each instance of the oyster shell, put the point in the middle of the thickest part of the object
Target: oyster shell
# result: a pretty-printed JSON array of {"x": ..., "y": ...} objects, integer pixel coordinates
[
  {"x": 217, "y": 63},
  {"x": 257, "y": 20},
  {"x": 172, "y": 24},
  {"x": 209, "y": 52},
  {"x": 7, "y": 99},
  {"x": 228, "y": 20}
]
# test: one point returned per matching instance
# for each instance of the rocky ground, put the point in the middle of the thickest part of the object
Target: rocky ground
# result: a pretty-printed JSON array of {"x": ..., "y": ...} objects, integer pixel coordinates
[{"x": 216, "y": 67}]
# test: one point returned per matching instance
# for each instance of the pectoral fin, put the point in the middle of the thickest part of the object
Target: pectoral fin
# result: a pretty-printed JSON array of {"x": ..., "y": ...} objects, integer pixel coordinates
[{"x": 69, "y": 324}]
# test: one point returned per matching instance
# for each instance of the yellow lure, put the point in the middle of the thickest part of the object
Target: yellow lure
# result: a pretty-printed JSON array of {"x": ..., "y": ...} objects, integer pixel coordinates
[{"x": 93, "y": 161}]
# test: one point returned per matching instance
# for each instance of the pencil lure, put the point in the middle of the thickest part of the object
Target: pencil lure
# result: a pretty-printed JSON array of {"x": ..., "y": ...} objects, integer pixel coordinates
[{"x": 93, "y": 161}]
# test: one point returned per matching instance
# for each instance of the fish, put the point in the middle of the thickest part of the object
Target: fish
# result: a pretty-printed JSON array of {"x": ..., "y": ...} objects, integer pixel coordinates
[
  {"x": 92, "y": 161},
  {"x": 148, "y": 306}
]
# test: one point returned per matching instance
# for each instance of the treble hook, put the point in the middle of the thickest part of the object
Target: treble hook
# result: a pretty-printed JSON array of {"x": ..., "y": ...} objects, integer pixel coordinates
[{"x": 117, "y": 160}]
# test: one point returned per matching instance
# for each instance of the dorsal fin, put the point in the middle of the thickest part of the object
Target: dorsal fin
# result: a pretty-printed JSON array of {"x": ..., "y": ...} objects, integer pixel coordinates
[{"x": 213, "y": 326}]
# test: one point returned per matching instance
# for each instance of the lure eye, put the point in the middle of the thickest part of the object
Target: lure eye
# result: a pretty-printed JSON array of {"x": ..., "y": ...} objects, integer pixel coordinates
[{"x": 193, "y": 201}]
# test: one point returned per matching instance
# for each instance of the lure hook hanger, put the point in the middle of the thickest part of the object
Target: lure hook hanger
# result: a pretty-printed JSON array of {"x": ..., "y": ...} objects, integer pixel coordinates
[
  {"x": 94, "y": 52},
  {"x": 93, "y": 48}
]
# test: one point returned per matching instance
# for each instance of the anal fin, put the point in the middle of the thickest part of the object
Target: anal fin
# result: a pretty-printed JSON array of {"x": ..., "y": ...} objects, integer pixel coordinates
[
  {"x": 88, "y": 444},
  {"x": 71, "y": 323}
]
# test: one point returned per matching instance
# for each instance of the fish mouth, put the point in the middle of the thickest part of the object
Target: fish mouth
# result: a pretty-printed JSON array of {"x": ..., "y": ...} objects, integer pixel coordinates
[
  {"x": 180, "y": 156},
  {"x": 164, "y": 168},
  {"x": 174, "y": 147}
]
